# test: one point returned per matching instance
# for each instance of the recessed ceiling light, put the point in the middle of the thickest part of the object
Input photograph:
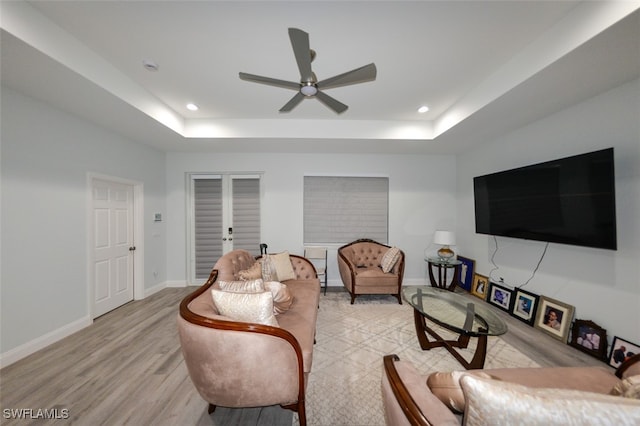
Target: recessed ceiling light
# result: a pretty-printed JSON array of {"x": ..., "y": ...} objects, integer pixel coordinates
[
  {"x": 423, "y": 109},
  {"x": 192, "y": 107},
  {"x": 150, "y": 65}
]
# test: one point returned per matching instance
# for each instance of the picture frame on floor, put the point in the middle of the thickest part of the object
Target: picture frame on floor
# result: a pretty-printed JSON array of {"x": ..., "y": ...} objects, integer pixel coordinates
[
  {"x": 466, "y": 272},
  {"x": 480, "y": 286},
  {"x": 500, "y": 296},
  {"x": 554, "y": 318},
  {"x": 590, "y": 338},
  {"x": 621, "y": 350},
  {"x": 525, "y": 306}
]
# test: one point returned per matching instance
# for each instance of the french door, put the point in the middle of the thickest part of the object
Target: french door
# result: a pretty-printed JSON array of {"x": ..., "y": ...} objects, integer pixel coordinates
[{"x": 225, "y": 215}]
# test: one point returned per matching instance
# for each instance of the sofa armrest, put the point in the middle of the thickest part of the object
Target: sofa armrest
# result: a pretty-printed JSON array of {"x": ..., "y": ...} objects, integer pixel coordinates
[
  {"x": 630, "y": 367},
  {"x": 405, "y": 391},
  {"x": 269, "y": 355},
  {"x": 303, "y": 267}
]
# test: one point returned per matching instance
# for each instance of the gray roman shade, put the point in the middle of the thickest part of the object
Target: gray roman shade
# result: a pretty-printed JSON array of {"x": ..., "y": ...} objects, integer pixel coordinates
[{"x": 343, "y": 209}]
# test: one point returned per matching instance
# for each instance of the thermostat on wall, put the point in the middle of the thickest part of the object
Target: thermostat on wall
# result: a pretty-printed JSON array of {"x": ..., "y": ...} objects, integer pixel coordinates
[{"x": 157, "y": 217}]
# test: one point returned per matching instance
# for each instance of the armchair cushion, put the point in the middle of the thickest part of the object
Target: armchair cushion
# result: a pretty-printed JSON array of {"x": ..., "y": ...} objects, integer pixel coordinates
[
  {"x": 246, "y": 307},
  {"x": 389, "y": 259},
  {"x": 497, "y": 402}
]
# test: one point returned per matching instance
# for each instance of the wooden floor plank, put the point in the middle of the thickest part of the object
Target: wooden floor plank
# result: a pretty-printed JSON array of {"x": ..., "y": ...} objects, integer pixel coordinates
[{"x": 126, "y": 368}]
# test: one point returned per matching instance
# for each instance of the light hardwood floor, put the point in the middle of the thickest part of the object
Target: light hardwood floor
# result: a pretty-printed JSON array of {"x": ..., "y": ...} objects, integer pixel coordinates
[{"x": 127, "y": 368}]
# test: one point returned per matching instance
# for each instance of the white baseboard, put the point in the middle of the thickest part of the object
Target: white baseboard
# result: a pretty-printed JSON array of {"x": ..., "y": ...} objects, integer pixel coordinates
[
  {"x": 24, "y": 350},
  {"x": 156, "y": 288},
  {"x": 176, "y": 283}
]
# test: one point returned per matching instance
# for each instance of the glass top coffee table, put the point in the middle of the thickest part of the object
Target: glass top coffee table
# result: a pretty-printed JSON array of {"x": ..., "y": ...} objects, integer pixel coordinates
[{"x": 457, "y": 313}]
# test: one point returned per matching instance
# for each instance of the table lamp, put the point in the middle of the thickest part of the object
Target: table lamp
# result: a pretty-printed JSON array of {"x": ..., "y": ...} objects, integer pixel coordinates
[{"x": 445, "y": 239}]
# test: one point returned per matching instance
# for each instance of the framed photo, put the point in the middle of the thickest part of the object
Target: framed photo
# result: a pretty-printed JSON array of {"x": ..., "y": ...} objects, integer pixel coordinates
[
  {"x": 480, "y": 286},
  {"x": 621, "y": 350},
  {"x": 525, "y": 306},
  {"x": 589, "y": 337},
  {"x": 466, "y": 272},
  {"x": 500, "y": 296},
  {"x": 554, "y": 317}
]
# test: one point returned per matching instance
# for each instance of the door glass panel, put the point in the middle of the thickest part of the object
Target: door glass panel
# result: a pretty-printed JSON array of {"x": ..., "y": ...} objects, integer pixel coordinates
[{"x": 207, "y": 209}]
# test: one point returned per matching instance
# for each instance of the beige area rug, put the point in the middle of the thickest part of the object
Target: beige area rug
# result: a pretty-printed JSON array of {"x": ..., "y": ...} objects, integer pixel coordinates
[{"x": 344, "y": 384}]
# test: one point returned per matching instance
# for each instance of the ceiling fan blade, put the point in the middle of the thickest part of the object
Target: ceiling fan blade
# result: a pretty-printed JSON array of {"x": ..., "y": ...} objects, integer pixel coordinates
[
  {"x": 358, "y": 75},
  {"x": 302, "y": 51},
  {"x": 332, "y": 103},
  {"x": 270, "y": 81},
  {"x": 293, "y": 102}
]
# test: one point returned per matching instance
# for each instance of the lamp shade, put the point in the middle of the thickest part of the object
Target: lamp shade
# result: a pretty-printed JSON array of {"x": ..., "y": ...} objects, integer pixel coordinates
[{"x": 444, "y": 238}]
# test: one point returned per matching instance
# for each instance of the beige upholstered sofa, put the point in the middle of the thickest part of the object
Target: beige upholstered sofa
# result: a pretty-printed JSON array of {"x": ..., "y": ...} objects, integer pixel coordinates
[
  {"x": 510, "y": 396},
  {"x": 242, "y": 364},
  {"x": 369, "y": 267}
]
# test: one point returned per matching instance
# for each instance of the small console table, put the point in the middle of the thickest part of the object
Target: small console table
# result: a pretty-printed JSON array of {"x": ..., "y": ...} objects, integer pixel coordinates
[{"x": 443, "y": 266}]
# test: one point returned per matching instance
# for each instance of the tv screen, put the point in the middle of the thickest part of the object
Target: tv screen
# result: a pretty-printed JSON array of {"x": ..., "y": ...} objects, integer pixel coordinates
[{"x": 567, "y": 201}]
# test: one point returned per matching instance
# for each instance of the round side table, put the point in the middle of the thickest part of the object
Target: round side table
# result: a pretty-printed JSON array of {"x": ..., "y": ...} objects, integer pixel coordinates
[{"x": 443, "y": 266}]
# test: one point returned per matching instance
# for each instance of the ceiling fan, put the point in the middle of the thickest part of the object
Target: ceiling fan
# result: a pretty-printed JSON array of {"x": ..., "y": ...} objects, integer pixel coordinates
[{"x": 309, "y": 86}]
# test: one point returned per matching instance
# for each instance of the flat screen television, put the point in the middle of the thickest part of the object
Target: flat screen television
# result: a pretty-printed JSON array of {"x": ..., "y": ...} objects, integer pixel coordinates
[{"x": 567, "y": 201}]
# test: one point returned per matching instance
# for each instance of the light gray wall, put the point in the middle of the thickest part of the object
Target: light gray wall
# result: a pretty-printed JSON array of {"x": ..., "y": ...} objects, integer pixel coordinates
[
  {"x": 46, "y": 155},
  {"x": 421, "y": 199},
  {"x": 603, "y": 285}
]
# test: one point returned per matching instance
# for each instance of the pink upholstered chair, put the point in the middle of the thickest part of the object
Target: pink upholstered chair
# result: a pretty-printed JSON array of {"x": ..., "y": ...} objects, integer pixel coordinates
[{"x": 362, "y": 265}]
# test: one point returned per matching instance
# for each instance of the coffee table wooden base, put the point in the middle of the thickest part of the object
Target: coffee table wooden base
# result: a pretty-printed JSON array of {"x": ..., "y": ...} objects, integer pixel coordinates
[{"x": 423, "y": 331}]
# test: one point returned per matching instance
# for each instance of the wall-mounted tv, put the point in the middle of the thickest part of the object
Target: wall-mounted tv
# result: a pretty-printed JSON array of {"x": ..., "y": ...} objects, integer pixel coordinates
[{"x": 567, "y": 201}]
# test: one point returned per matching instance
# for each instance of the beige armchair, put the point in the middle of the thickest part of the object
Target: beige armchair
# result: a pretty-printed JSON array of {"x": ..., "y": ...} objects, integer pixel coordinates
[{"x": 369, "y": 267}]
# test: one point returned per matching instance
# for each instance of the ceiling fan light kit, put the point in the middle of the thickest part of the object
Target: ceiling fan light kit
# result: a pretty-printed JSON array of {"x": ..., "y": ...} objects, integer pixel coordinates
[{"x": 309, "y": 86}]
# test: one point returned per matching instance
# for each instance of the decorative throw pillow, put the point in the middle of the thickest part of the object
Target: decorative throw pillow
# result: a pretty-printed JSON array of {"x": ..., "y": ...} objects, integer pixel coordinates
[
  {"x": 253, "y": 286},
  {"x": 389, "y": 259},
  {"x": 246, "y": 307},
  {"x": 281, "y": 265},
  {"x": 267, "y": 268},
  {"x": 628, "y": 387},
  {"x": 446, "y": 387},
  {"x": 252, "y": 273},
  {"x": 502, "y": 403},
  {"x": 281, "y": 296}
]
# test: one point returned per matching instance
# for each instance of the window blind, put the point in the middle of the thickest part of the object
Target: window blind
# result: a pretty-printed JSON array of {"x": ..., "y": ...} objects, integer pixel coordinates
[
  {"x": 208, "y": 224},
  {"x": 344, "y": 209},
  {"x": 246, "y": 214}
]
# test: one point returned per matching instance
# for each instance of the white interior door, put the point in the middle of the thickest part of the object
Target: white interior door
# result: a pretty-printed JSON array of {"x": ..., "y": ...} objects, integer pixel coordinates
[{"x": 113, "y": 245}]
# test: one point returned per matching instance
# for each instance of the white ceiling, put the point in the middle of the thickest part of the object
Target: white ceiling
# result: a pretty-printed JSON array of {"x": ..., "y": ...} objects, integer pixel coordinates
[{"x": 483, "y": 67}]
